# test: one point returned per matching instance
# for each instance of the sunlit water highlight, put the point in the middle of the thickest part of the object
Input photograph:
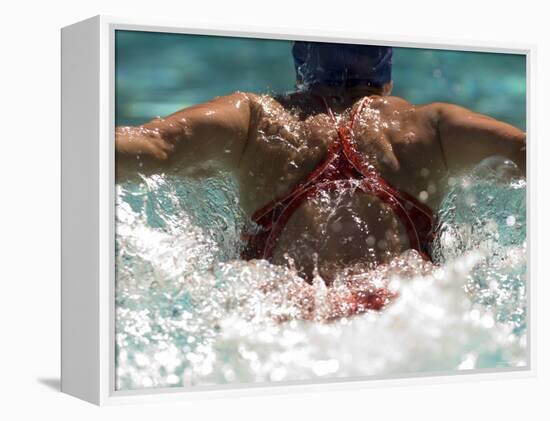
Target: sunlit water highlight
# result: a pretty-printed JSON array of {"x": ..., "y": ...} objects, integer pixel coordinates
[{"x": 190, "y": 312}]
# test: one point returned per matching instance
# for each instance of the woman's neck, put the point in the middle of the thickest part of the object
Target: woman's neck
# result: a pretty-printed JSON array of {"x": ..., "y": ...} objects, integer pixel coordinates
[{"x": 345, "y": 97}]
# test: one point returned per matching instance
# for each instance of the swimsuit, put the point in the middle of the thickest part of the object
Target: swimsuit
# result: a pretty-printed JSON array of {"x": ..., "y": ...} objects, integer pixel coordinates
[{"x": 343, "y": 168}]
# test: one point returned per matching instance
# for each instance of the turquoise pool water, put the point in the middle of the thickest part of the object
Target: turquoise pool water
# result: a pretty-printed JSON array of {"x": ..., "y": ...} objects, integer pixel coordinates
[
  {"x": 159, "y": 73},
  {"x": 190, "y": 312}
]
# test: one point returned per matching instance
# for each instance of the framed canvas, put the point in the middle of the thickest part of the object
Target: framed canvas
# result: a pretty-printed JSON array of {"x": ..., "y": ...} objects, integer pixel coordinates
[{"x": 245, "y": 209}]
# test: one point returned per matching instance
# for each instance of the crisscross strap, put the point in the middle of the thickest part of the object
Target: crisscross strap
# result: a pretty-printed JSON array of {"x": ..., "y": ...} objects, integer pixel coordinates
[{"x": 343, "y": 168}]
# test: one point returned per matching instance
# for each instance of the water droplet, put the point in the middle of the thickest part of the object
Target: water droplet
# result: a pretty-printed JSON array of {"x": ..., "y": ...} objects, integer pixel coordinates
[{"x": 423, "y": 195}]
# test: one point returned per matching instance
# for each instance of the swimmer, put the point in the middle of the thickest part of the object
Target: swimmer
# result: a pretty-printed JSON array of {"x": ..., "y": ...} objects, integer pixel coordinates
[{"x": 339, "y": 174}]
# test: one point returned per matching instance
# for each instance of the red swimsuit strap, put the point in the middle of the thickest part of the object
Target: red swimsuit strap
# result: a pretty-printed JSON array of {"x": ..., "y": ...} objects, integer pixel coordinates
[
  {"x": 407, "y": 207},
  {"x": 362, "y": 166},
  {"x": 274, "y": 216},
  {"x": 332, "y": 154}
]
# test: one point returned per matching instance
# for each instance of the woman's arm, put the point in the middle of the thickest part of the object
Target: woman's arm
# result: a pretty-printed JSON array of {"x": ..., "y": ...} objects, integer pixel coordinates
[
  {"x": 467, "y": 137},
  {"x": 216, "y": 130}
]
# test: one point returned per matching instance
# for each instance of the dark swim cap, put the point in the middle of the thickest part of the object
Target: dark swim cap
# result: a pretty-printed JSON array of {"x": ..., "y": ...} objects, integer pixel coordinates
[{"x": 345, "y": 65}]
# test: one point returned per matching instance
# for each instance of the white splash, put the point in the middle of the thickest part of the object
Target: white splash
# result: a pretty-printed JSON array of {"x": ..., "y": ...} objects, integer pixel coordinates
[{"x": 190, "y": 312}]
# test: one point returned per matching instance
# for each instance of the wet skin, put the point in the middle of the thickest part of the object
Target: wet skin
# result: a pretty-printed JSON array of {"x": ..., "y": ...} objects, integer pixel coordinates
[{"x": 273, "y": 143}]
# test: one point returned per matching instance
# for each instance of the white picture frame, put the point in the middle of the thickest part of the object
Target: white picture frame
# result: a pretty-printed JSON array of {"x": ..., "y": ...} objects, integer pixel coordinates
[{"x": 88, "y": 231}]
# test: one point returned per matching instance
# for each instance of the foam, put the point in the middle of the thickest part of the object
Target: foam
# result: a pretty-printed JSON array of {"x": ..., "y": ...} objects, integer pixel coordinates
[{"x": 190, "y": 312}]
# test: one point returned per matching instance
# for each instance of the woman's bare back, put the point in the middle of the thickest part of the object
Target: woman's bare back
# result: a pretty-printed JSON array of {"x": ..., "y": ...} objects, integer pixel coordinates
[{"x": 289, "y": 137}]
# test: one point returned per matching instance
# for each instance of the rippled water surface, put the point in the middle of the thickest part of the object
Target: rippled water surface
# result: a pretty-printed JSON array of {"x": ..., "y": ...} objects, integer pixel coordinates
[{"x": 190, "y": 312}]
